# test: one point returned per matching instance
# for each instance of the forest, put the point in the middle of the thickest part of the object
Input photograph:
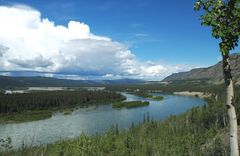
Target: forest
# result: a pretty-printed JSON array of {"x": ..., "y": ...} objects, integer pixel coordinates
[{"x": 12, "y": 103}]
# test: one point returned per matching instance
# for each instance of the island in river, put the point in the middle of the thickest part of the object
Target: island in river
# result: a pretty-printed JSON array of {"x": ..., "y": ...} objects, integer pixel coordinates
[
  {"x": 130, "y": 104},
  {"x": 40, "y": 105}
]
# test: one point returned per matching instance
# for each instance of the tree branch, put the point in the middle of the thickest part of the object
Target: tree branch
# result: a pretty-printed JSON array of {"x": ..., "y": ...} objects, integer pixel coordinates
[{"x": 204, "y": 6}]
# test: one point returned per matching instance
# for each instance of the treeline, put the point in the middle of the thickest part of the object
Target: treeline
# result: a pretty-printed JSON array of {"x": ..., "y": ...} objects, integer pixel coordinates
[
  {"x": 201, "y": 85},
  {"x": 10, "y": 103}
]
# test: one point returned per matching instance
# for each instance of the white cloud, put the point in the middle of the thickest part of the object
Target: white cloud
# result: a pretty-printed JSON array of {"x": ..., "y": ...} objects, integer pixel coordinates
[{"x": 29, "y": 42}]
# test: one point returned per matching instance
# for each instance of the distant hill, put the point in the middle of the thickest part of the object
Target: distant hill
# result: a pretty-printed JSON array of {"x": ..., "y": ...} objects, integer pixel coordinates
[
  {"x": 213, "y": 73},
  {"x": 10, "y": 82}
]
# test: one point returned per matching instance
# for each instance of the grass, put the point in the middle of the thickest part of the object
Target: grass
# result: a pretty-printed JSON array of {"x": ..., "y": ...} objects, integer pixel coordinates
[
  {"x": 25, "y": 116},
  {"x": 33, "y": 115},
  {"x": 158, "y": 98},
  {"x": 130, "y": 104},
  {"x": 67, "y": 112}
]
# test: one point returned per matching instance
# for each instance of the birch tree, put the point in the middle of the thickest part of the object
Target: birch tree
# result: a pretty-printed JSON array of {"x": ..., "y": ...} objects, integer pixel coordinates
[{"x": 223, "y": 16}]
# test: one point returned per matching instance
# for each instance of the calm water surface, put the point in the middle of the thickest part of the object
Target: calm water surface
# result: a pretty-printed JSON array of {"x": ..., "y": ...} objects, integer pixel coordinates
[{"x": 94, "y": 119}]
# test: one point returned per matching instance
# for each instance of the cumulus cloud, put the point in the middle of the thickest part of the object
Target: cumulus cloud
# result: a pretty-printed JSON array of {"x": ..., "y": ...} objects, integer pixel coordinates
[
  {"x": 3, "y": 49},
  {"x": 29, "y": 42}
]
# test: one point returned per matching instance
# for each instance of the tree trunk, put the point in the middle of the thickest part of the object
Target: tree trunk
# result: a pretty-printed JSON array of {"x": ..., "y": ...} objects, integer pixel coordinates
[{"x": 230, "y": 106}]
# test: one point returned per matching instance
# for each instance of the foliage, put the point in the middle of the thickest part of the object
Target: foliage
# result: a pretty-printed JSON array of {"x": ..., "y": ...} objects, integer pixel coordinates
[
  {"x": 130, "y": 104},
  {"x": 158, "y": 98},
  {"x": 5, "y": 144},
  {"x": 201, "y": 85},
  {"x": 141, "y": 93},
  {"x": 12, "y": 103},
  {"x": 145, "y": 94},
  {"x": 25, "y": 116},
  {"x": 224, "y": 18},
  {"x": 39, "y": 105}
]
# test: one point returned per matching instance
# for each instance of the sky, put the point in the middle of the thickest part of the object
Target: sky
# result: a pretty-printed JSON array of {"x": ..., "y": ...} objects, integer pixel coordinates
[{"x": 103, "y": 39}]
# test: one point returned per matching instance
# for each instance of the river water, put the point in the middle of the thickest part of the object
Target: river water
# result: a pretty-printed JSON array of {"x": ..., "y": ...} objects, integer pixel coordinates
[{"x": 94, "y": 119}]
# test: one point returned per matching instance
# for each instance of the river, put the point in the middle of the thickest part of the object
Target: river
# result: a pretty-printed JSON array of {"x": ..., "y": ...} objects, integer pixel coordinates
[{"x": 94, "y": 119}]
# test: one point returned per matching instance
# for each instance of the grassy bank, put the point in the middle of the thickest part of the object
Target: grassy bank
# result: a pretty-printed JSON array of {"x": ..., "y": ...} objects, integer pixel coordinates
[
  {"x": 130, "y": 104},
  {"x": 158, "y": 98},
  {"x": 25, "y": 116}
]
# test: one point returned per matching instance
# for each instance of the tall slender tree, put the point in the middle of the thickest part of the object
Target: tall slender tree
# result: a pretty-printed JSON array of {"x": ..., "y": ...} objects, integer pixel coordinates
[{"x": 223, "y": 16}]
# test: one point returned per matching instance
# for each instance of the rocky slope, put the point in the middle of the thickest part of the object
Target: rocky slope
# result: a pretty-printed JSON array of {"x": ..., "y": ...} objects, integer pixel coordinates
[{"x": 213, "y": 72}]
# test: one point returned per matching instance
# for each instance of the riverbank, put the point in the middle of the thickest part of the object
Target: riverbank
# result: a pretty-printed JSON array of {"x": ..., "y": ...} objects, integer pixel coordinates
[
  {"x": 185, "y": 134},
  {"x": 130, "y": 104},
  {"x": 25, "y": 116},
  {"x": 201, "y": 95}
]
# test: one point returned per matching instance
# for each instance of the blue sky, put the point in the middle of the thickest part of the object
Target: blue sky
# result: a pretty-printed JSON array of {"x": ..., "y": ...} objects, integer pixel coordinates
[
  {"x": 158, "y": 31},
  {"x": 154, "y": 29}
]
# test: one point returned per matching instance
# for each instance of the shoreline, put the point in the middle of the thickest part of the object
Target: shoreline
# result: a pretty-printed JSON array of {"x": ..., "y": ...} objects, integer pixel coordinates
[
  {"x": 42, "y": 114},
  {"x": 200, "y": 95}
]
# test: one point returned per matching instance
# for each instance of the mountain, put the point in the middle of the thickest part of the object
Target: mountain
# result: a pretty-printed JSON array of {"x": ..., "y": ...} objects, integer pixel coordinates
[
  {"x": 213, "y": 73},
  {"x": 11, "y": 82}
]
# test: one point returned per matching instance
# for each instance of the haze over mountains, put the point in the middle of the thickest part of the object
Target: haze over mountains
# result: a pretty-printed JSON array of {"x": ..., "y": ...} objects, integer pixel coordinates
[
  {"x": 213, "y": 73},
  {"x": 8, "y": 82}
]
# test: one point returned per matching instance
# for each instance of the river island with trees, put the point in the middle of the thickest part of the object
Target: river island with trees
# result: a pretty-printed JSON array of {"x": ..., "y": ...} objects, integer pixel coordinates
[{"x": 40, "y": 105}]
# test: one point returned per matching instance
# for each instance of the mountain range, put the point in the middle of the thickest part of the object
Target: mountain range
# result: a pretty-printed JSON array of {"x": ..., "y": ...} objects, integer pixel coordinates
[
  {"x": 10, "y": 82},
  {"x": 213, "y": 73}
]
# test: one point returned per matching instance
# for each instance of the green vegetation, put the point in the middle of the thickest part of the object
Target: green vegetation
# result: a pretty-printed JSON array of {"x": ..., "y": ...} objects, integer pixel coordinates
[
  {"x": 200, "y": 85},
  {"x": 224, "y": 19},
  {"x": 67, "y": 112},
  {"x": 11, "y": 103},
  {"x": 141, "y": 93},
  {"x": 39, "y": 105},
  {"x": 196, "y": 132},
  {"x": 145, "y": 94},
  {"x": 130, "y": 104},
  {"x": 25, "y": 116},
  {"x": 158, "y": 98}
]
